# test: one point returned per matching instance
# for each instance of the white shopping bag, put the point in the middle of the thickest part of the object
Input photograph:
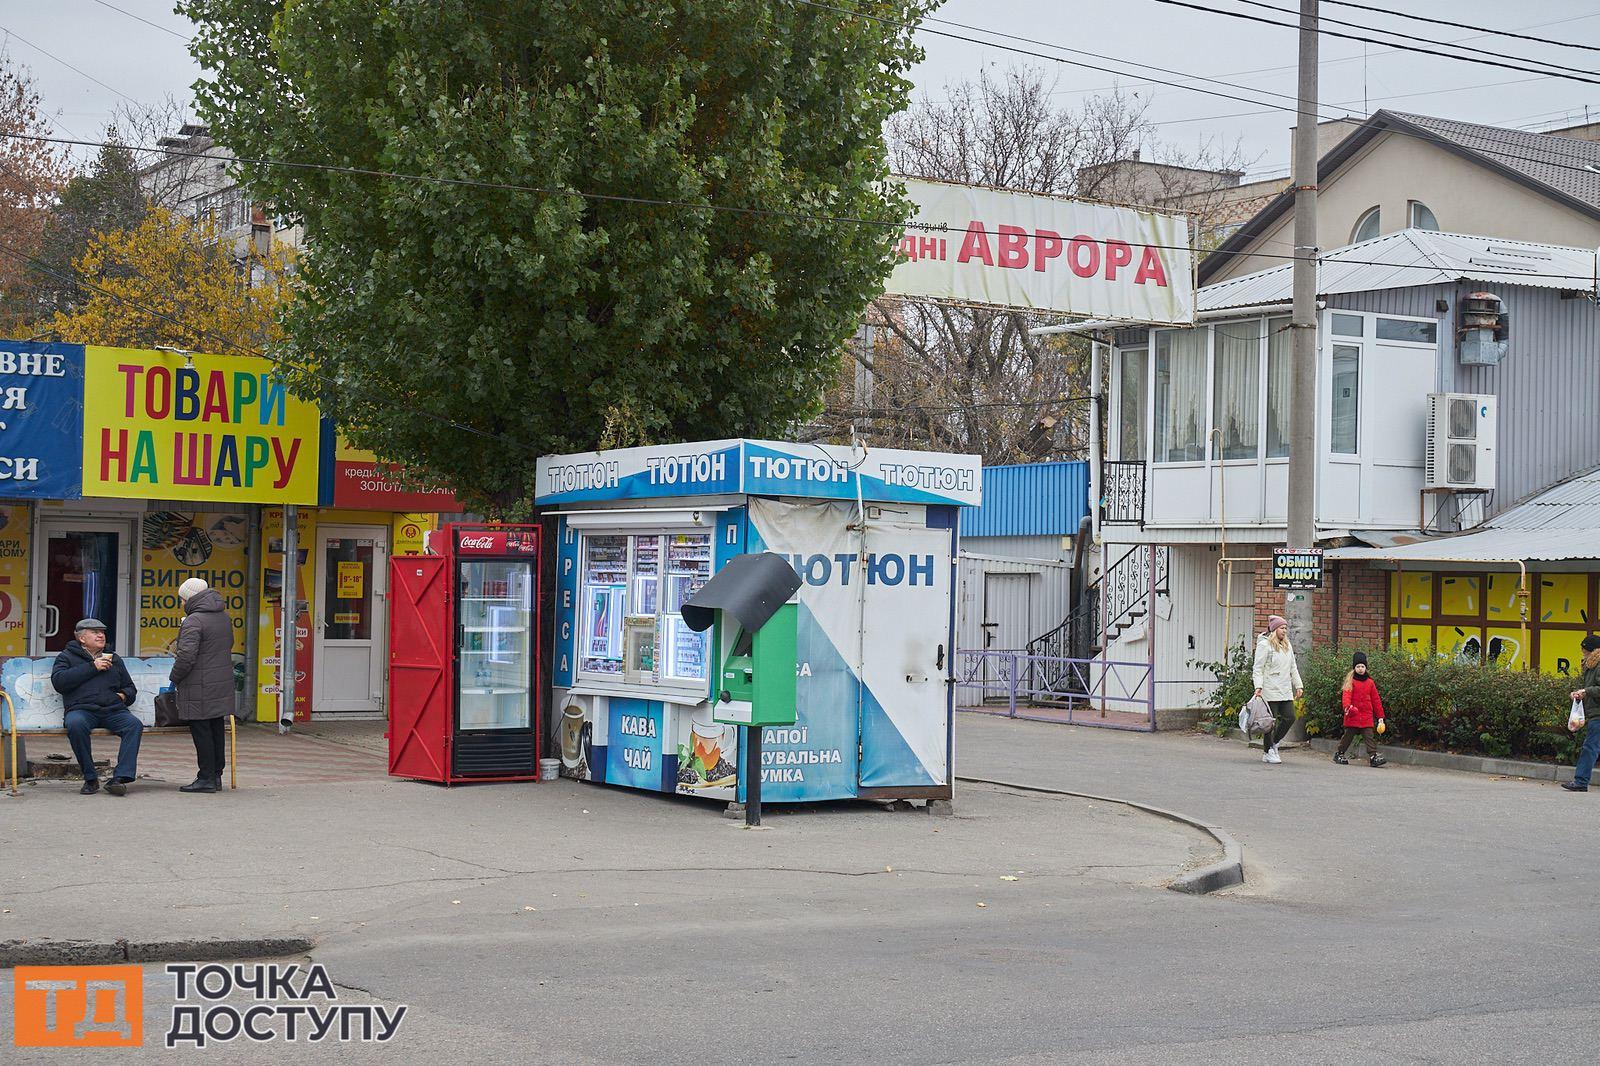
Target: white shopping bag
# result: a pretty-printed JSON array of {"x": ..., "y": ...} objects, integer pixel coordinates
[{"x": 1575, "y": 716}]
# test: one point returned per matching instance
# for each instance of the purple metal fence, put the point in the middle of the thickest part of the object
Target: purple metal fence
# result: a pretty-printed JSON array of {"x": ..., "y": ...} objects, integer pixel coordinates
[{"x": 1053, "y": 688}]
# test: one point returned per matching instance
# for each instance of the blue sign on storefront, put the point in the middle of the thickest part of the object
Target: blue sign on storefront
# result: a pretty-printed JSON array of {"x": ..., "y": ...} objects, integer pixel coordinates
[{"x": 41, "y": 420}]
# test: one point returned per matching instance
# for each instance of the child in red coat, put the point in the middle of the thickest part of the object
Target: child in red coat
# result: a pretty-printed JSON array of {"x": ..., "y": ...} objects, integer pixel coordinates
[{"x": 1362, "y": 710}]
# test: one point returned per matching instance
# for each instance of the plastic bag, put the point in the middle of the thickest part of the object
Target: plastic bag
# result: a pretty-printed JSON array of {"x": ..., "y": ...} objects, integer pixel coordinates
[
  {"x": 1575, "y": 716},
  {"x": 1381, "y": 727}
]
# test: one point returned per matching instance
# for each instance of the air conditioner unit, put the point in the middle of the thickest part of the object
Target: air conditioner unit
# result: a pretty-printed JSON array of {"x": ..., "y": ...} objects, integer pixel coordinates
[{"x": 1461, "y": 441}]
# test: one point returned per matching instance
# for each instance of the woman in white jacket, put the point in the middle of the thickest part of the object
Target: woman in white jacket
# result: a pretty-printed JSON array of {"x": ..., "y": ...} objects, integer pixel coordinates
[{"x": 1277, "y": 679}]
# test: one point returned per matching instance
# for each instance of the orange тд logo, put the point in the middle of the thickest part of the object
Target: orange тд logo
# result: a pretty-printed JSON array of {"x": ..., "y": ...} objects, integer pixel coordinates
[{"x": 79, "y": 1006}]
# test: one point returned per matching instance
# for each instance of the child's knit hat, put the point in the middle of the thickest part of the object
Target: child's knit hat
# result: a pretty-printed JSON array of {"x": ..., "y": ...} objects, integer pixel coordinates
[{"x": 1358, "y": 659}]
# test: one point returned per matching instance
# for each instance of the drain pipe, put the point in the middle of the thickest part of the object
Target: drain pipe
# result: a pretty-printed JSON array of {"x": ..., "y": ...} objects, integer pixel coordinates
[{"x": 290, "y": 622}]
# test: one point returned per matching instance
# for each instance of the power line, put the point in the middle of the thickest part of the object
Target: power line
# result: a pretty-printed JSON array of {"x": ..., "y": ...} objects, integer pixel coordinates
[
  {"x": 1582, "y": 161},
  {"x": 76, "y": 70},
  {"x": 1052, "y": 58},
  {"x": 1330, "y": 62},
  {"x": 1409, "y": 37},
  {"x": 1391, "y": 96},
  {"x": 1374, "y": 40},
  {"x": 140, "y": 18},
  {"x": 76, "y": 278},
  {"x": 900, "y": 224},
  {"x": 1464, "y": 26}
]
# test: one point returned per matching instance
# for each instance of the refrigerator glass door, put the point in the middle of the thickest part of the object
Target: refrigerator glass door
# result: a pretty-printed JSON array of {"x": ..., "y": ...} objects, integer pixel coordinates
[
  {"x": 688, "y": 567},
  {"x": 496, "y": 653}
]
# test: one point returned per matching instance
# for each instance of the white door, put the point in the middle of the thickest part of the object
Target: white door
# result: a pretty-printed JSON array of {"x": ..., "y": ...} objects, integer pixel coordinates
[
  {"x": 351, "y": 628},
  {"x": 84, "y": 570}
]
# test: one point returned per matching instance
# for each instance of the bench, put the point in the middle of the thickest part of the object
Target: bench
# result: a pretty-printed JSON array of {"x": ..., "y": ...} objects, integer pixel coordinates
[{"x": 32, "y": 706}]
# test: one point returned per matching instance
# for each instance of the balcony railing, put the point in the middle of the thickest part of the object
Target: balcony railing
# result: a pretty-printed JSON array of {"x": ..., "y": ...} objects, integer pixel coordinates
[{"x": 1122, "y": 493}]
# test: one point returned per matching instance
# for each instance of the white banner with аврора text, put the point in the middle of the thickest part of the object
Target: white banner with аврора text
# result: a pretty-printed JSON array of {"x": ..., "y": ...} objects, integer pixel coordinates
[{"x": 1045, "y": 253}]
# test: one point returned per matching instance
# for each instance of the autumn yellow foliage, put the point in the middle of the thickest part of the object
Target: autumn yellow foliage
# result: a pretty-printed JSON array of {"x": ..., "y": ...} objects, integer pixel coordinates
[{"x": 171, "y": 282}]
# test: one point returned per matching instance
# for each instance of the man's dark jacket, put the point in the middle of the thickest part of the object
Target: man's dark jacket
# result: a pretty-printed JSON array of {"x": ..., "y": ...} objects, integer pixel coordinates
[{"x": 82, "y": 687}]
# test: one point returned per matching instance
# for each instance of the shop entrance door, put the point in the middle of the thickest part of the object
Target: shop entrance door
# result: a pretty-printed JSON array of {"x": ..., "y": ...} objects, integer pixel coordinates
[
  {"x": 84, "y": 571},
  {"x": 351, "y": 639}
]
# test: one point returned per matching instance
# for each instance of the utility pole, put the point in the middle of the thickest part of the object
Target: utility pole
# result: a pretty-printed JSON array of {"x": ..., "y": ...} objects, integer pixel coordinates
[{"x": 1303, "y": 404}]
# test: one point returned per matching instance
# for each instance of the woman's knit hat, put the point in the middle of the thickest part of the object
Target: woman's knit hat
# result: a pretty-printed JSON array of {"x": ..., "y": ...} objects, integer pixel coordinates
[
  {"x": 1590, "y": 643},
  {"x": 1276, "y": 622}
]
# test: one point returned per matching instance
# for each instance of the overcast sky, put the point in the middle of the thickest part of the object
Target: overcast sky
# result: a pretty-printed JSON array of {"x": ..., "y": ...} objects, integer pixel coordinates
[{"x": 118, "y": 57}]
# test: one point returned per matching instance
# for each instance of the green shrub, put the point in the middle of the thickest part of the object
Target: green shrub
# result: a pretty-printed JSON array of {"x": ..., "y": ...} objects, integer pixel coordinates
[{"x": 1428, "y": 702}]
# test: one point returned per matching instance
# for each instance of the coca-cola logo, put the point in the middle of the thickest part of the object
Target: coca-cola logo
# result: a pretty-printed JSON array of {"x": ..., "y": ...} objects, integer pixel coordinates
[{"x": 483, "y": 543}]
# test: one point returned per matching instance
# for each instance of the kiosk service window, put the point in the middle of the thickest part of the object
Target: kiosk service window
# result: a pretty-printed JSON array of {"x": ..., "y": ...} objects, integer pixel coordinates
[{"x": 627, "y": 576}]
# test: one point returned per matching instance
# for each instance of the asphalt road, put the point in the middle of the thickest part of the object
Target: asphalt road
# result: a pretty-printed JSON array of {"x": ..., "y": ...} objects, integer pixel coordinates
[{"x": 1395, "y": 915}]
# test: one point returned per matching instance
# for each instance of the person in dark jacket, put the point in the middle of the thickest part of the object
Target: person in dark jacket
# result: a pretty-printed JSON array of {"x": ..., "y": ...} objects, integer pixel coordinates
[
  {"x": 97, "y": 691},
  {"x": 202, "y": 677},
  {"x": 1590, "y": 695},
  {"x": 1363, "y": 709}
]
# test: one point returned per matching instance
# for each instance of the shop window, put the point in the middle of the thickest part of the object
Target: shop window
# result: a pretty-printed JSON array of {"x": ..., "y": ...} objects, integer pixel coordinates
[
  {"x": 1346, "y": 412},
  {"x": 1413, "y": 595},
  {"x": 1280, "y": 385},
  {"x": 1500, "y": 599},
  {"x": 1180, "y": 396},
  {"x": 1408, "y": 331},
  {"x": 642, "y": 576},
  {"x": 1564, "y": 598},
  {"x": 1459, "y": 595},
  {"x": 1348, "y": 325},
  {"x": 1133, "y": 377},
  {"x": 1366, "y": 226},
  {"x": 1237, "y": 404}
]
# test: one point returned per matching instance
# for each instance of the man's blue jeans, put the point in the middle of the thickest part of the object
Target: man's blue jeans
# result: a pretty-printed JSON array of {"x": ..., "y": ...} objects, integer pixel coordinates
[
  {"x": 1589, "y": 754},
  {"x": 122, "y": 723}
]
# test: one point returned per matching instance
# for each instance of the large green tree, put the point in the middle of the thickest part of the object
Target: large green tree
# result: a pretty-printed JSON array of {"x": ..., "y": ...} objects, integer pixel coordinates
[{"x": 553, "y": 321}]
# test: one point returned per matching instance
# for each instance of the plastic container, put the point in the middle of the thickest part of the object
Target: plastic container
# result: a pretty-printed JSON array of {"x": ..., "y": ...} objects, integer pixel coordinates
[{"x": 549, "y": 769}]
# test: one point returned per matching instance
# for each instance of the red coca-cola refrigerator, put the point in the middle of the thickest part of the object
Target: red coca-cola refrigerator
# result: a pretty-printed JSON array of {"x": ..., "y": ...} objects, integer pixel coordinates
[{"x": 464, "y": 683}]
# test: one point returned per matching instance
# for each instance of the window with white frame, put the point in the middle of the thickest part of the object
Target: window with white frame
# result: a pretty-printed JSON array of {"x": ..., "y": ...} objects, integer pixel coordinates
[
  {"x": 1346, "y": 413},
  {"x": 1133, "y": 374},
  {"x": 1422, "y": 217},
  {"x": 1236, "y": 401},
  {"x": 1280, "y": 385},
  {"x": 1366, "y": 226},
  {"x": 1180, "y": 390}
]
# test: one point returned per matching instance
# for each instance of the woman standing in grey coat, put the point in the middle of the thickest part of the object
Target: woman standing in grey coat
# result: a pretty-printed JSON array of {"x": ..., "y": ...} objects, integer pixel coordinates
[{"x": 202, "y": 677}]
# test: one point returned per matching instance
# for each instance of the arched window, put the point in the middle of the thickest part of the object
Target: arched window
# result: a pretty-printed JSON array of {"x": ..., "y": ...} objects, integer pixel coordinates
[
  {"x": 1421, "y": 217},
  {"x": 1366, "y": 227}
]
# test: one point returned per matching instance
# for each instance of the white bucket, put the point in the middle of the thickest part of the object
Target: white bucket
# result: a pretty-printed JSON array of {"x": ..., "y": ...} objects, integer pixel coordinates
[{"x": 549, "y": 769}]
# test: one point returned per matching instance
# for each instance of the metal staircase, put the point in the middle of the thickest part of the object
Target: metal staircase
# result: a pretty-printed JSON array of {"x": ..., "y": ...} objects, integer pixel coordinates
[{"x": 1125, "y": 588}]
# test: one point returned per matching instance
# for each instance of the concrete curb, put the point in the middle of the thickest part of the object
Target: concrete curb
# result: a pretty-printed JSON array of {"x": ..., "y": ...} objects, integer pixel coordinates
[
  {"x": 1224, "y": 873},
  {"x": 15, "y": 953},
  {"x": 1437, "y": 760},
  {"x": 1472, "y": 764}
]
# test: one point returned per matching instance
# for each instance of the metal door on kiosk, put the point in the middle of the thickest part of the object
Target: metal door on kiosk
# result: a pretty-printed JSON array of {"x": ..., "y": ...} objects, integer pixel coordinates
[
  {"x": 84, "y": 570},
  {"x": 351, "y": 621}
]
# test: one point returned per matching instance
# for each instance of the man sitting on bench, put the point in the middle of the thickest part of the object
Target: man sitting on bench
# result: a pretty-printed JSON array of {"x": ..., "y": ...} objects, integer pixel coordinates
[{"x": 97, "y": 691}]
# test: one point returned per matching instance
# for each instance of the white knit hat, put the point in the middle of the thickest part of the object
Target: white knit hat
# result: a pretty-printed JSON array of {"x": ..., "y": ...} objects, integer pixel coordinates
[{"x": 187, "y": 590}]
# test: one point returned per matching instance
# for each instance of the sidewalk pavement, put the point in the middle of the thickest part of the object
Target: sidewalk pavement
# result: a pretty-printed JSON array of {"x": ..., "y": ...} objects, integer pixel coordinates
[
  {"x": 312, "y": 857},
  {"x": 1316, "y": 833},
  {"x": 1394, "y": 915}
]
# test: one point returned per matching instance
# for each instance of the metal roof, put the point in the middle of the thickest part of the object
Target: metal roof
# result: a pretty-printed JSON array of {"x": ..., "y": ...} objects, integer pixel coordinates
[
  {"x": 1559, "y": 164},
  {"x": 1415, "y": 257},
  {"x": 1552, "y": 166},
  {"x": 1561, "y": 523},
  {"x": 1029, "y": 500}
]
